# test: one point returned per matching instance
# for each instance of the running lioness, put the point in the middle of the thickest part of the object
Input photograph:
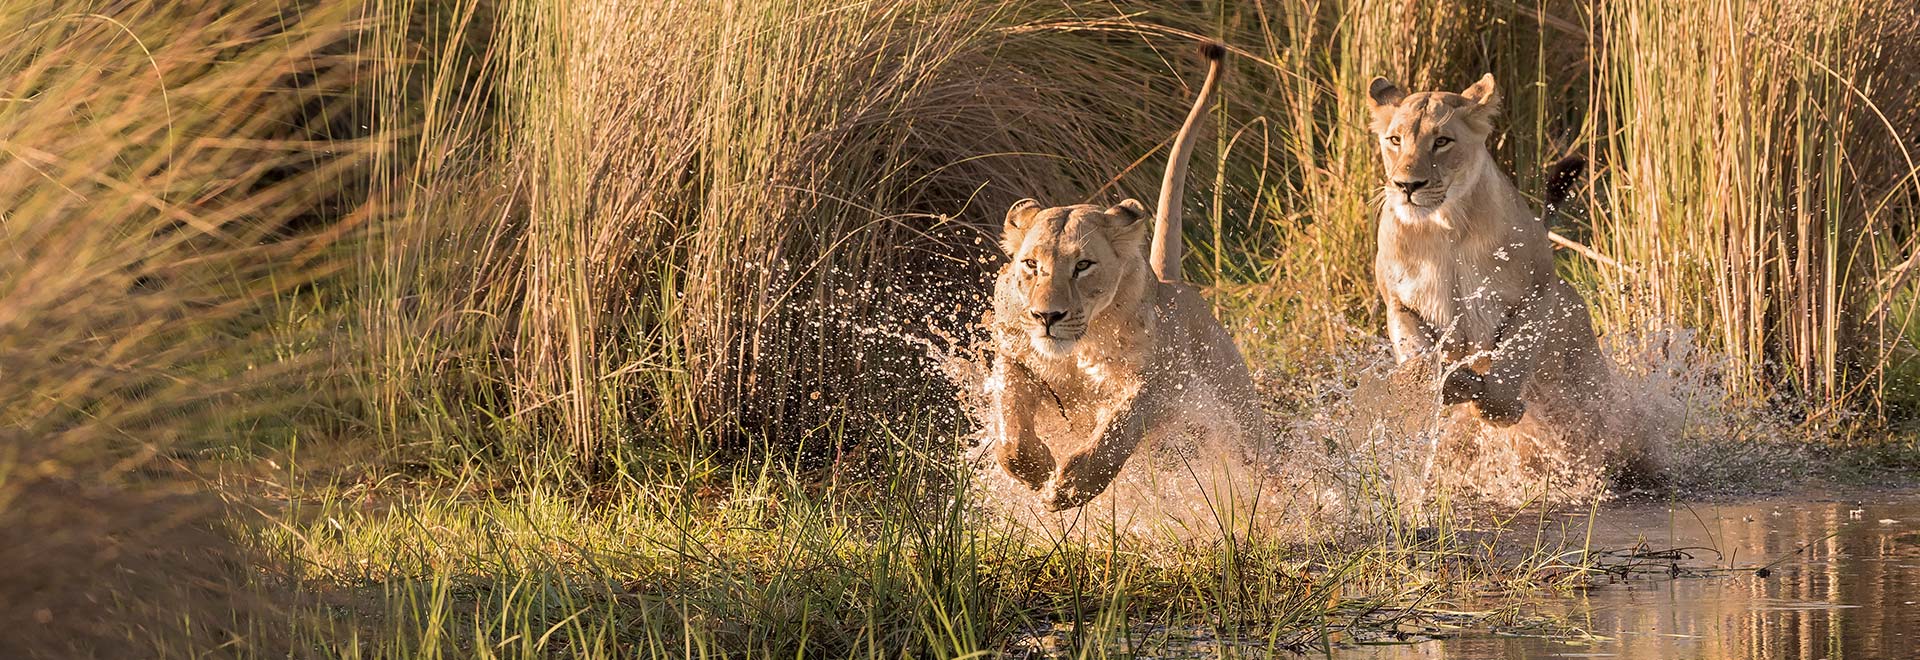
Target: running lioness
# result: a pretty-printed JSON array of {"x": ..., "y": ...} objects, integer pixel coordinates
[
  {"x": 1464, "y": 264},
  {"x": 1100, "y": 341}
]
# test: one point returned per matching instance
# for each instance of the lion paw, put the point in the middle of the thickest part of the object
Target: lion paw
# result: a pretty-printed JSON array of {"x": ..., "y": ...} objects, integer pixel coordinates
[
  {"x": 1060, "y": 497},
  {"x": 1501, "y": 414},
  {"x": 1079, "y": 481},
  {"x": 1462, "y": 385},
  {"x": 1029, "y": 465}
]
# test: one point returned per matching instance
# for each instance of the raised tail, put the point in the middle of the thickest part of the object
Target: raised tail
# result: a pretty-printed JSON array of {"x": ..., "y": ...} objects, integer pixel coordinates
[
  {"x": 1562, "y": 175},
  {"x": 1165, "y": 253}
]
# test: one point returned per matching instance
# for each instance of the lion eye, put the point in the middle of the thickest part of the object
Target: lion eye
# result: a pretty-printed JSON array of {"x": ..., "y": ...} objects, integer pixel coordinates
[
  {"x": 1082, "y": 266},
  {"x": 1393, "y": 140},
  {"x": 1442, "y": 142},
  {"x": 1030, "y": 264}
]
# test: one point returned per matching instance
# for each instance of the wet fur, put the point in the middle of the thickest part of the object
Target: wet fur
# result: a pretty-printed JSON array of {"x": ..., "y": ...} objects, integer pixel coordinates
[
  {"x": 1142, "y": 356},
  {"x": 1464, "y": 266}
]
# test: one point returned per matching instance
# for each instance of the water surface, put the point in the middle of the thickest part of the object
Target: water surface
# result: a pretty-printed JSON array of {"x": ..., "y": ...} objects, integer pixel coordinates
[{"x": 1841, "y": 581}]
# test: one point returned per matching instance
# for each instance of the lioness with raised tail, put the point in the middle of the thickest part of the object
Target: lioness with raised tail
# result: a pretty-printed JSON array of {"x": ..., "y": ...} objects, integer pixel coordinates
[
  {"x": 1465, "y": 267},
  {"x": 1100, "y": 344}
]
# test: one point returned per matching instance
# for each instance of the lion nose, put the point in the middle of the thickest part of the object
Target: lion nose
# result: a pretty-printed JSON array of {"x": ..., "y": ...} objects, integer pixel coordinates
[
  {"x": 1048, "y": 318},
  {"x": 1409, "y": 186}
]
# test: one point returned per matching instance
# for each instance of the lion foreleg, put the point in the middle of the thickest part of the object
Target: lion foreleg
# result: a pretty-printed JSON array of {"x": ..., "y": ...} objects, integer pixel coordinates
[
  {"x": 1412, "y": 337},
  {"x": 1087, "y": 473},
  {"x": 1518, "y": 349},
  {"x": 1020, "y": 451}
]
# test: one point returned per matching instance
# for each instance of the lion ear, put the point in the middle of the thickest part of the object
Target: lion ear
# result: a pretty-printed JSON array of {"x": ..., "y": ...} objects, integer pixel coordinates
[
  {"x": 1127, "y": 223},
  {"x": 1483, "y": 92},
  {"x": 1486, "y": 103},
  {"x": 1019, "y": 220},
  {"x": 1385, "y": 97},
  {"x": 1127, "y": 212},
  {"x": 1384, "y": 93}
]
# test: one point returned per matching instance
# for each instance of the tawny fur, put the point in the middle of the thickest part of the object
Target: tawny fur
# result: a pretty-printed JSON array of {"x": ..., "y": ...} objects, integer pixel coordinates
[
  {"x": 1466, "y": 270},
  {"x": 1133, "y": 353}
]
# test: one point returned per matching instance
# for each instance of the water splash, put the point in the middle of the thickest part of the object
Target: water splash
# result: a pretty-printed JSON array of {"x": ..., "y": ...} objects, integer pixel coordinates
[
  {"x": 1360, "y": 444},
  {"x": 1373, "y": 448},
  {"x": 1663, "y": 422}
]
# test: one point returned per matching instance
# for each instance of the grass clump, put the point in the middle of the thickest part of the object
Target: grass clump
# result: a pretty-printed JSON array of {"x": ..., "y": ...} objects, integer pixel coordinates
[
  {"x": 1761, "y": 192},
  {"x": 693, "y": 218},
  {"x": 169, "y": 194},
  {"x": 765, "y": 562}
]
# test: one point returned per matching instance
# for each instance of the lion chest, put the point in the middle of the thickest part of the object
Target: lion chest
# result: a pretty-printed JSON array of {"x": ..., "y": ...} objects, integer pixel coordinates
[
  {"x": 1080, "y": 393},
  {"x": 1458, "y": 287},
  {"x": 1082, "y": 378}
]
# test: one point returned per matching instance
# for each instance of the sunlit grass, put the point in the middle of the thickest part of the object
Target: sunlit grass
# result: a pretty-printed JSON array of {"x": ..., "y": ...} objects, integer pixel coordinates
[
  {"x": 639, "y": 237},
  {"x": 1760, "y": 191},
  {"x": 764, "y": 562}
]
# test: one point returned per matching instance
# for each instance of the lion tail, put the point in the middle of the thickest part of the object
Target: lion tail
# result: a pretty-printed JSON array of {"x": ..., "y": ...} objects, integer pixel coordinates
[
  {"x": 1166, "y": 248},
  {"x": 1562, "y": 176}
]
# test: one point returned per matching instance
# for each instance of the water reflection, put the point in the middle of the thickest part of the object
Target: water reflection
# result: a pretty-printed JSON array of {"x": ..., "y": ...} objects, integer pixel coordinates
[{"x": 1843, "y": 581}]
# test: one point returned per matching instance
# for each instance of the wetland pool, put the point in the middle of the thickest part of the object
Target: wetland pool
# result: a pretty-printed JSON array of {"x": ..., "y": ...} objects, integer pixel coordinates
[{"x": 1841, "y": 581}]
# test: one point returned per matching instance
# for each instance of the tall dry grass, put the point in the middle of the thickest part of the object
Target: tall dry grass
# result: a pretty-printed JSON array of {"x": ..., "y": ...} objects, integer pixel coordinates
[
  {"x": 1757, "y": 172},
  {"x": 659, "y": 226},
  {"x": 170, "y": 190},
  {"x": 606, "y": 226},
  {"x": 692, "y": 221}
]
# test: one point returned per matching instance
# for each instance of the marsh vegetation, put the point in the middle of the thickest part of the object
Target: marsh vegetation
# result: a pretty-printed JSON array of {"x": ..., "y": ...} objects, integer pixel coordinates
[{"x": 629, "y": 328}]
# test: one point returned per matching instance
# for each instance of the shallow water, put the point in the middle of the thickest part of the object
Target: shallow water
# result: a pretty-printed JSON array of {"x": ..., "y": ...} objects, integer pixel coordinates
[{"x": 1842, "y": 581}]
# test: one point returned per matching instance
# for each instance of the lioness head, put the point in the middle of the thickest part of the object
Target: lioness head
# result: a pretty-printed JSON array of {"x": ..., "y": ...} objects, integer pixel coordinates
[
  {"x": 1068, "y": 262},
  {"x": 1430, "y": 141}
]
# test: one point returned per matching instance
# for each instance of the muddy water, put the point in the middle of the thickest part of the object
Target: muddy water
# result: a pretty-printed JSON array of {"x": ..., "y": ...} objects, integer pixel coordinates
[{"x": 1842, "y": 581}]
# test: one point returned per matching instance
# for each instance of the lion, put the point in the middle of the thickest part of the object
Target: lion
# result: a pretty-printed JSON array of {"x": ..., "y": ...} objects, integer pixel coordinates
[
  {"x": 1465, "y": 267},
  {"x": 1097, "y": 335}
]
